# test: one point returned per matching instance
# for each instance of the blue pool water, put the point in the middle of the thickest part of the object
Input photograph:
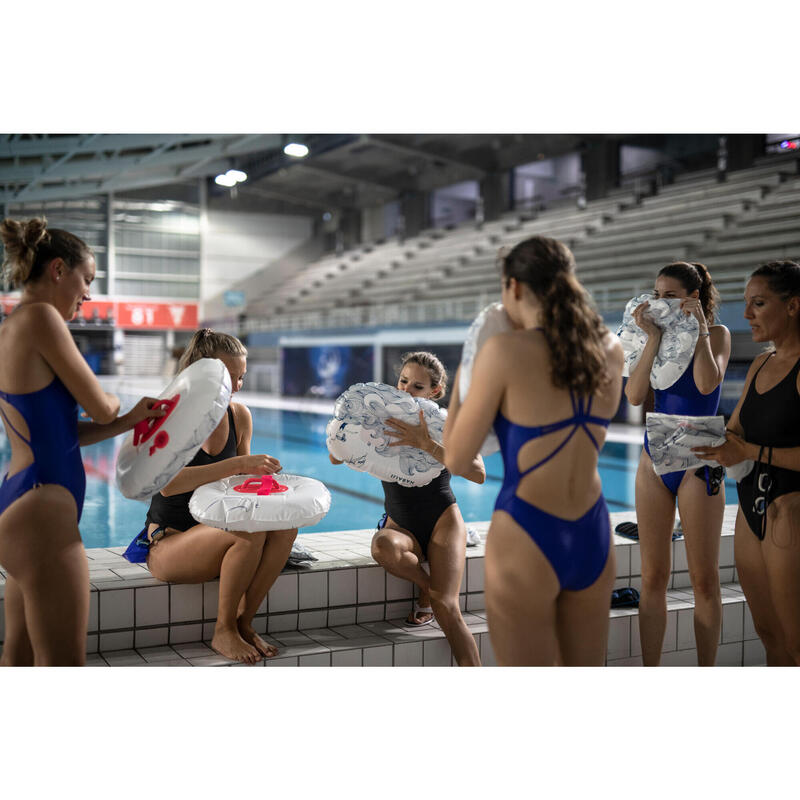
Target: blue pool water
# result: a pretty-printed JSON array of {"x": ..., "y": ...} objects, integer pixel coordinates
[{"x": 297, "y": 440}]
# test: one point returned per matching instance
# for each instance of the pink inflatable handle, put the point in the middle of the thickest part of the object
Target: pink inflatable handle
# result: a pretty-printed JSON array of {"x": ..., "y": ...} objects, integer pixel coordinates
[
  {"x": 266, "y": 484},
  {"x": 143, "y": 430}
]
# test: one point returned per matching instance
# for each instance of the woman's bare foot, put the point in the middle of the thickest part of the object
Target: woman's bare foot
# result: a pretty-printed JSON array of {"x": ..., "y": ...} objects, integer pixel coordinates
[
  {"x": 251, "y": 637},
  {"x": 227, "y": 642}
]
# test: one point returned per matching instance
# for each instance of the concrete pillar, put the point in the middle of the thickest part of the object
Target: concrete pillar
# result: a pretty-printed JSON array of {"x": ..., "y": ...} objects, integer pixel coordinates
[
  {"x": 495, "y": 194},
  {"x": 415, "y": 207},
  {"x": 600, "y": 163},
  {"x": 744, "y": 149}
]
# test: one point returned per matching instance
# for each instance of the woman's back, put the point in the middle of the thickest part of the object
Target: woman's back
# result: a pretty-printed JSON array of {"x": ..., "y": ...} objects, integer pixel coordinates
[
  {"x": 22, "y": 368},
  {"x": 556, "y": 464}
]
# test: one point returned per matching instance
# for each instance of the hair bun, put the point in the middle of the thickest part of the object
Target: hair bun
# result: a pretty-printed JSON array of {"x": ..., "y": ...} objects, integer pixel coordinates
[{"x": 34, "y": 232}]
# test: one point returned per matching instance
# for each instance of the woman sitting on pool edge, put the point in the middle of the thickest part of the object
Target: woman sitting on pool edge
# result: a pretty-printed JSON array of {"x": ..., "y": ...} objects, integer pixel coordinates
[
  {"x": 182, "y": 551},
  {"x": 424, "y": 522}
]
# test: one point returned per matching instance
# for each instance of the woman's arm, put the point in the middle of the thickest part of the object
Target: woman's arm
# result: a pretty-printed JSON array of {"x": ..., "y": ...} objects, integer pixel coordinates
[
  {"x": 638, "y": 384},
  {"x": 712, "y": 351},
  {"x": 418, "y": 436},
  {"x": 189, "y": 478},
  {"x": 59, "y": 350},
  {"x": 468, "y": 425},
  {"x": 91, "y": 432}
]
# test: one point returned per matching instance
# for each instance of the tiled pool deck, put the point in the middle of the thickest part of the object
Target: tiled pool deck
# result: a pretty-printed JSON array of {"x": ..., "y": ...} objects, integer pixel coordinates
[{"x": 344, "y": 610}]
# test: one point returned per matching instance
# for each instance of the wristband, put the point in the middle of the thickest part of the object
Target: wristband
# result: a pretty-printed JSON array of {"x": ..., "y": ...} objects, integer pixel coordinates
[{"x": 704, "y": 334}]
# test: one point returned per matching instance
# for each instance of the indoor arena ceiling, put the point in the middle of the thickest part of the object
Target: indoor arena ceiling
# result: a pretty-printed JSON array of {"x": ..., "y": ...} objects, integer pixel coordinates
[{"x": 340, "y": 171}]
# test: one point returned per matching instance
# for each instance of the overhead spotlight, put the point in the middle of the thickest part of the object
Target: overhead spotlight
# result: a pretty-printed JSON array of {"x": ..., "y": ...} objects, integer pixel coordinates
[
  {"x": 231, "y": 178},
  {"x": 296, "y": 150}
]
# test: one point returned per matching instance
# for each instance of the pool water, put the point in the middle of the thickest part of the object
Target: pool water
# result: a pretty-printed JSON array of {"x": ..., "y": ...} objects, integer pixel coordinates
[{"x": 297, "y": 440}]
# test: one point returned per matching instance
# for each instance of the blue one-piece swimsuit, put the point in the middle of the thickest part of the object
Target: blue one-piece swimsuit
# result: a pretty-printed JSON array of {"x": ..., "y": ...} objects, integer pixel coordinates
[
  {"x": 51, "y": 415},
  {"x": 683, "y": 398},
  {"x": 576, "y": 549}
]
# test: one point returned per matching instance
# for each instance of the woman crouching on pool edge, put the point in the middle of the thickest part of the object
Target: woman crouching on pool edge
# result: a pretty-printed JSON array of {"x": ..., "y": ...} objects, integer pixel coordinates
[
  {"x": 182, "y": 551},
  {"x": 424, "y": 522}
]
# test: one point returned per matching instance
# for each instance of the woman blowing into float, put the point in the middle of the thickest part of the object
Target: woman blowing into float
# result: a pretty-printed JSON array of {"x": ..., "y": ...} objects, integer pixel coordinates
[
  {"x": 699, "y": 493},
  {"x": 550, "y": 388},
  {"x": 182, "y": 551},
  {"x": 424, "y": 523},
  {"x": 765, "y": 428},
  {"x": 43, "y": 378}
]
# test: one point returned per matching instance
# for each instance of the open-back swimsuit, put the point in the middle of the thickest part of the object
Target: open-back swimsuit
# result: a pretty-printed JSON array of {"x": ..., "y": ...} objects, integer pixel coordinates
[
  {"x": 576, "y": 549},
  {"x": 51, "y": 415}
]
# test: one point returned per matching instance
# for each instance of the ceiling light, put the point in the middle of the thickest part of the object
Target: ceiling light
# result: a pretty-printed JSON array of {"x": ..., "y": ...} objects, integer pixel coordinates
[
  {"x": 237, "y": 175},
  {"x": 225, "y": 180},
  {"x": 296, "y": 150}
]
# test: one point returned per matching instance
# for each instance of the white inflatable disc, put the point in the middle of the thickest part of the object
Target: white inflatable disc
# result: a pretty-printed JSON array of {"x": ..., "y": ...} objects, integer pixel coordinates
[
  {"x": 234, "y": 503},
  {"x": 356, "y": 434},
  {"x": 678, "y": 339},
  {"x": 153, "y": 454},
  {"x": 492, "y": 320}
]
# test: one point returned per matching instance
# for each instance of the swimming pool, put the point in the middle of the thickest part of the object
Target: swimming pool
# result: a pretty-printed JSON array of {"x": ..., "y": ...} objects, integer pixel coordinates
[{"x": 297, "y": 440}]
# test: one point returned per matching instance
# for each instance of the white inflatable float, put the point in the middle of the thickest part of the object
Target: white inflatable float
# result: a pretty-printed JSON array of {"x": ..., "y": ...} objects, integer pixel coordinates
[
  {"x": 678, "y": 340},
  {"x": 492, "y": 320},
  {"x": 260, "y": 503},
  {"x": 357, "y": 433},
  {"x": 157, "y": 449}
]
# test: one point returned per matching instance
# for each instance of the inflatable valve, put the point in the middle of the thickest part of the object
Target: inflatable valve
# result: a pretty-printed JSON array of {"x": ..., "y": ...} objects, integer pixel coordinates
[
  {"x": 266, "y": 484},
  {"x": 143, "y": 430}
]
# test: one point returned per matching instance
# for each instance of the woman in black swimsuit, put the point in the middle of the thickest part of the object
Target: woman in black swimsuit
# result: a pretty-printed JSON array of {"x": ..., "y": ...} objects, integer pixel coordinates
[
  {"x": 765, "y": 428},
  {"x": 181, "y": 551},
  {"x": 424, "y": 523}
]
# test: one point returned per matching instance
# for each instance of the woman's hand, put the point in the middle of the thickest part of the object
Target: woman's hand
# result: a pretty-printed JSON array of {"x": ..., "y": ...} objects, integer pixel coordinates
[
  {"x": 143, "y": 410},
  {"x": 692, "y": 307},
  {"x": 644, "y": 322},
  {"x": 410, "y": 435},
  {"x": 732, "y": 451},
  {"x": 256, "y": 465}
]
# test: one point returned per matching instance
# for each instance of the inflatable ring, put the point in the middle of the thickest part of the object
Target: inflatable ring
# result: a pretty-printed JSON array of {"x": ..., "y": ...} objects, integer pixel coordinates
[
  {"x": 678, "y": 341},
  {"x": 260, "y": 503},
  {"x": 492, "y": 320},
  {"x": 357, "y": 433},
  {"x": 159, "y": 448}
]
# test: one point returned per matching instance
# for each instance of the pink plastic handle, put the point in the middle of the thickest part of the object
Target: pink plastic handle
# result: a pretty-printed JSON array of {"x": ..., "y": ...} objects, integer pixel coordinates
[
  {"x": 266, "y": 484},
  {"x": 143, "y": 430}
]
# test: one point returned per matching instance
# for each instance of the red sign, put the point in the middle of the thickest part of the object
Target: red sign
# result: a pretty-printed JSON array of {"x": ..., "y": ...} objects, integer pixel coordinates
[{"x": 132, "y": 314}]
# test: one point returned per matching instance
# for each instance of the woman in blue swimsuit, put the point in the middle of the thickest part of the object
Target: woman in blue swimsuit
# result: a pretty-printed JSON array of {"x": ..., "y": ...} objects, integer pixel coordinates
[
  {"x": 699, "y": 493},
  {"x": 549, "y": 388},
  {"x": 43, "y": 378}
]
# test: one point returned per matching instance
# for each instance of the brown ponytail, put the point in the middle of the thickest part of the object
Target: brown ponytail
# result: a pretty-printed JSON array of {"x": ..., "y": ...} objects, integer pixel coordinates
[
  {"x": 209, "y": 344},
  {"x": 30, "y": 246},
  {"x": 694, "y": 275},
  {"x": 572, "y": 328}
]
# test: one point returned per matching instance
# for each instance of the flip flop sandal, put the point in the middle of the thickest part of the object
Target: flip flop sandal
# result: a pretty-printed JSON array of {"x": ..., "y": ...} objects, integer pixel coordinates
[
  {"x": 419, "y": 610},
  {"x": 630, "y": 530}
]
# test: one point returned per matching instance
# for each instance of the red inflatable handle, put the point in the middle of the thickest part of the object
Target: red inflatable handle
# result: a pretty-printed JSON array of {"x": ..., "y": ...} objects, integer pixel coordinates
[
  {"x": 266, "y": 484},
  {"x": 143, "y": 430}
]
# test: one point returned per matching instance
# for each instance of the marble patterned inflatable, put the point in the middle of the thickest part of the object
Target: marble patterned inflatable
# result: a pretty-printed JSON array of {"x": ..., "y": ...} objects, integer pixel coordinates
[
  {"x": 678, "y": 340},
  {"x": 492, "y": 320},
  {"x": 671, "y": 437},
  {"x": 151, "y": 456},
  {"x": 356, "y": 434}
]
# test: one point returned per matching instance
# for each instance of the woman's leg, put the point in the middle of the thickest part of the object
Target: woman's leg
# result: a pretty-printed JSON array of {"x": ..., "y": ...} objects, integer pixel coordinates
[
  {"x": 582, "y": 619},
  {"x": 781, "y": 550},
  {"x": 447, "y": 552},
  {"x": 42, "y": 551},
  {"x": 17, "y": 647},
  {"x": 202, "y": 554},
  {"x": 399, "y": 553},
  {"x": 655, "y": 516},
  {"x": 276, "y": 552},
  {"x": 701, "y": 519},
  {"x": 755, "y": 581},
  {"x": 521, "y": 593}
]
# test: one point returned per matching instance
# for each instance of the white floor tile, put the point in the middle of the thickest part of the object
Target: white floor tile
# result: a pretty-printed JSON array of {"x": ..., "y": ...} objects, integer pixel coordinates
[
  {"x": 122, "y": 640},
  {"x": 729, "y": 655},
  {"x": 342, "y": 587},
  {"x": 313, "y": 590},
  {"x": 116, "y": 609},
  {"x": 686, "y": 628},
  {"x": 371, "y": 585},
  {"x": 398, "y": 589},
  {"x": 732, "y": 622},
  {"x": 186, "y": 602},
  {"x": 283, "y": 594},
  {"x": 371, "y": 613},
  {"x": 281, "y": 622},
  {"x": 281, "y": 662},
  {"x": 378, "y": 656},
  {"x": 342, "y": 616},
  {"x": 211, "y": 600},
  {"x": 348, "y": 658},
  {"x": 753, "y": 653},
  {"x": 316, "y": 660},
  {"x": 150, "y": 637},
  {"x": 179, "y": 634},
  {"x": 475, "y": 575},
  {"x": 436, "y": 653},
  {"x": 487, "y": 653},
  {"x": 152, "y": 606},
  {"x": 312, "y": 619},
  {"x": 408, "y": 654}
]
